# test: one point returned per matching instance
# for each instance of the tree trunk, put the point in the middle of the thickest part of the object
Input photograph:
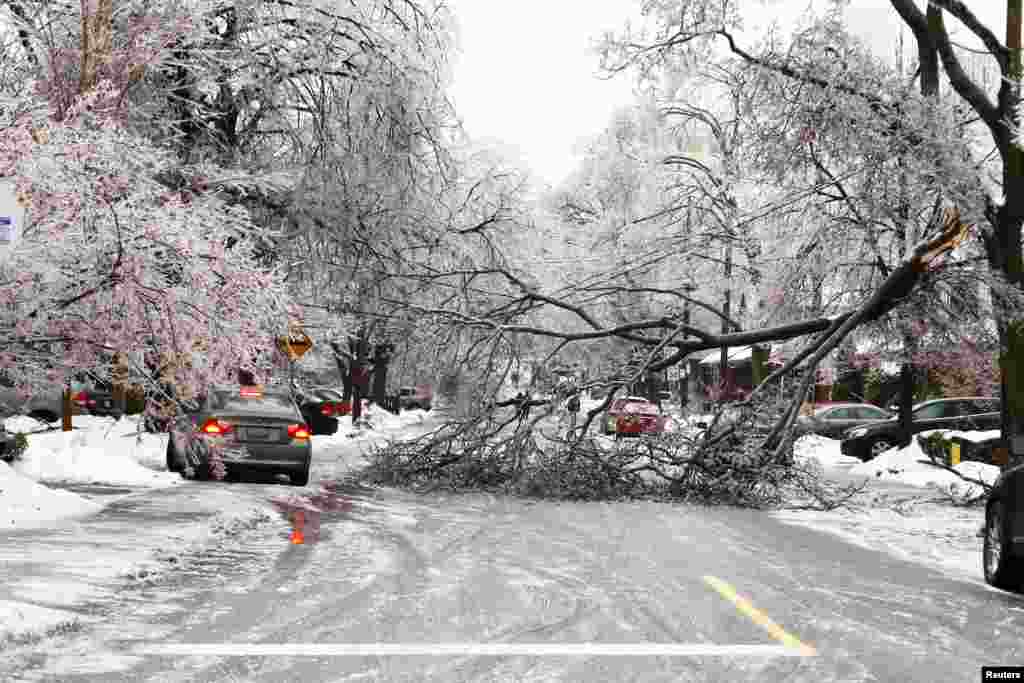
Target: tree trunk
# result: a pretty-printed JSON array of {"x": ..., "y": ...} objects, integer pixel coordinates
[
  {"x": 66, "y": 410},
  {"x": 97, "y": 39},
  {"x": 1010, "y": 218},
  {"x": 906, "y": 396},
  {"x": 381, "y": 360},
  {"x": 344, "y": 371},
  {"x": 358, "y": 386}
]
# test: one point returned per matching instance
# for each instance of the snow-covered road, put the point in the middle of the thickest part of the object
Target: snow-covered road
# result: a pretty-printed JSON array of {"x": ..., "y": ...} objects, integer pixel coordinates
[
  {"x": 400, "y": 569},
  {"x": 576, "y": 587}
]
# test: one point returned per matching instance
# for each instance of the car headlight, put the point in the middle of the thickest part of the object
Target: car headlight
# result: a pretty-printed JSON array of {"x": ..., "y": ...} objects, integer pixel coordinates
[{"x": 856, "y": 433}]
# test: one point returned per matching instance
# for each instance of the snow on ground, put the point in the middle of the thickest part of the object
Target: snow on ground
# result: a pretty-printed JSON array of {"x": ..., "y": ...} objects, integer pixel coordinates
[
  {"x": 823, "y": 450},
  {"x": 904, "y": 465},
  {"x": 378, "y": 423},
  {"x": 49, "y": 574},
  {"x": 99, "y": 450},
  {"x": 18, "y": 620},
  {"x": 27, "y": 504},
  {"x": 927, "y": 529}
]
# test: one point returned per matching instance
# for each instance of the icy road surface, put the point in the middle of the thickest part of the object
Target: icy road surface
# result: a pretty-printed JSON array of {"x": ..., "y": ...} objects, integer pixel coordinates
[{"x": 410, "y": 570}]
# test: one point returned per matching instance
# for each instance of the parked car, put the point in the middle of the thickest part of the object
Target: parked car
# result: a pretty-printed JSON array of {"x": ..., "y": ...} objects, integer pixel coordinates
[
  {"x": 47, "y": 406},
  {"x": 321, "y": 414},
  {"x": 419, "y": 397},
  {"x": 963, "y": 414},
  {"x": 1003, "y": 533},
  {"x": 334, "y": 399},
  {"x": 7, "y": 448},
  {"x": 94, "y": 398},
  {"x": 633, "y": 416},
  {"x": 834, "y": 419},
  {"x": 259, "y": 430}
]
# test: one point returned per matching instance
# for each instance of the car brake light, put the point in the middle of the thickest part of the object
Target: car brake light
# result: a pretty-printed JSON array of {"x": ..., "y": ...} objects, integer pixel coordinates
[
  {"x": 253, "y": 392},
  {"x": 327, "y": 409},
  {"x": 298, "y": 431},
  {"x": 215, "y": 427}
]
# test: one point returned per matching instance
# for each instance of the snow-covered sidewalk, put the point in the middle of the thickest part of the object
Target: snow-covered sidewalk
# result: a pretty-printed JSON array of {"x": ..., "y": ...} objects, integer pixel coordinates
[{"x": 925, "y": 528}]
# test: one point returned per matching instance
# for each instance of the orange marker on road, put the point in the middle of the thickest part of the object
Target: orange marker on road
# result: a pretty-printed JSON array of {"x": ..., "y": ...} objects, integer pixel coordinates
[{"x": 298, "y": 521}]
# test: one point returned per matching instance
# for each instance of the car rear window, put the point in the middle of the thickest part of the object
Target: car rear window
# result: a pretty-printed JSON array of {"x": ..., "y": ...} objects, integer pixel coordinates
[
  {"x": 271, "y": 405},
  {"x": 328, "y": 394},
  {"x": 640, "y": 408}
]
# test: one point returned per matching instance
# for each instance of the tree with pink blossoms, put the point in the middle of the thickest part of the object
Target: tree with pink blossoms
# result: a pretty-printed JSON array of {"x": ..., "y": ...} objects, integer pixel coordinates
[{"x": 111, "y": 261}]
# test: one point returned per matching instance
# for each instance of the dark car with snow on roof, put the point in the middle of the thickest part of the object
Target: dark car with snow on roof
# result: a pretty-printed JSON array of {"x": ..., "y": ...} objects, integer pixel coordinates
[
  {"x": 252, "y": 429},
  {"x": 969, "y": 413}
]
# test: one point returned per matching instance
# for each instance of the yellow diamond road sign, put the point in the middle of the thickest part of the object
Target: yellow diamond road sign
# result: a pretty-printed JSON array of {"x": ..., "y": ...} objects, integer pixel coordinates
[{"x": 296, "y": 344}]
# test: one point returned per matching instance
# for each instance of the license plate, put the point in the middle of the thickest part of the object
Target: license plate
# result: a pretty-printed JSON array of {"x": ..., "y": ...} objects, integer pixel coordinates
[
  {"x": 235, "y": 453},
  {"x": 258, "y": 434}
]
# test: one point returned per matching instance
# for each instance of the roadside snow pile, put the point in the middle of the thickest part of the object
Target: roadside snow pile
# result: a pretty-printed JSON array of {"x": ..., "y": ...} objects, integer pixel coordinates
[
  {"x": 97, "y": 451},
  {"x": 378, "y": 423},
  {"x": 935, "y": 535},
  {"x": 24, "y": 424},
  {"x": 26, "y": 504},
  {"x": 823, "y": 450},
  {"x": 976, "y": 437},
  {"x": 903, "y": 465},
  {"x": 21, "y": 622}
]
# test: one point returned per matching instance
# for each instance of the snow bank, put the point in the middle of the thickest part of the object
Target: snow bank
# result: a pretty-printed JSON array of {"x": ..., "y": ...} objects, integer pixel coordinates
[
  {"x": 975, "y": 437},
  {"x": 379, "y": 422},
  {"x": 823, "y": 450},
  {"x": 26, "y": 504},
  {"x": 97, "y": 451},
  {"x": 902, "y": 465},
  {"x": 931, "y": 534},
  {"x": 21, "y": 621}
]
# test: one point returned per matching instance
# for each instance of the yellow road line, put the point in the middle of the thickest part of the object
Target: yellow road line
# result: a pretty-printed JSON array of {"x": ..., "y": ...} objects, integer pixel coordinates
[{"x": 758, "y": 617}]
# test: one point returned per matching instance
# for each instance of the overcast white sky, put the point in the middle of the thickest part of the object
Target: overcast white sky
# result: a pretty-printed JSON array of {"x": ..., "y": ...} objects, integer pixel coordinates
[{"x": 524, "y": 80}]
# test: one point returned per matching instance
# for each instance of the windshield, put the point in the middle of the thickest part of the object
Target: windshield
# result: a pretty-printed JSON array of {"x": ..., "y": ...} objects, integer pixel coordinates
[{"x": 267, "y": 404}]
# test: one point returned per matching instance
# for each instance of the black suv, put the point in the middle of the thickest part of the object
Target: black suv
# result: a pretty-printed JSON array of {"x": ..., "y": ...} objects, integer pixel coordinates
[{"x": 963, "y": 414}]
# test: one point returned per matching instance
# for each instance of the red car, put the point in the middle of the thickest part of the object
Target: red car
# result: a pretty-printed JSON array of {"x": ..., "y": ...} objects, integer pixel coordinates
[{"x": 633, "y": 416}]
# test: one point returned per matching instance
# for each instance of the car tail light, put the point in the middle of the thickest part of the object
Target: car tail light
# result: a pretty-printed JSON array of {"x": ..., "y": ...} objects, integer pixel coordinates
[
  {"x": 251, "y": 391},
  {"x": 298, "y": 431},
  {"x": 215, "y": 427},
  {"x": 327, "y": 409},
  {"x": 81, "y": 398}
]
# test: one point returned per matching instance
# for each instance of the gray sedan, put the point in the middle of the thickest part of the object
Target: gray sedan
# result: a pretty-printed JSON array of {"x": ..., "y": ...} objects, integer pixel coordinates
[
  {"x": 253, "y": 429},
  {"x": 836, "y": 418}
]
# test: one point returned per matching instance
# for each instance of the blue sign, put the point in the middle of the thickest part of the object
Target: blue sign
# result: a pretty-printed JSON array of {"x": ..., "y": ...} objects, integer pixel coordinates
[{"x": 6, "y": 229}]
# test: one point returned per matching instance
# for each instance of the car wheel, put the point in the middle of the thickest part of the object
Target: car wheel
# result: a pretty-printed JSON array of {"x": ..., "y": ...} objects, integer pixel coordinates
[
  {"x": 1001, "y": 569},
  {"x": 299, "y": 477},
  {"x": 43, "y": 416},
  {"x": 172, "y": 457},
  {"x": 200, "y": 471},
  {"x": 878, "y": 447}
]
